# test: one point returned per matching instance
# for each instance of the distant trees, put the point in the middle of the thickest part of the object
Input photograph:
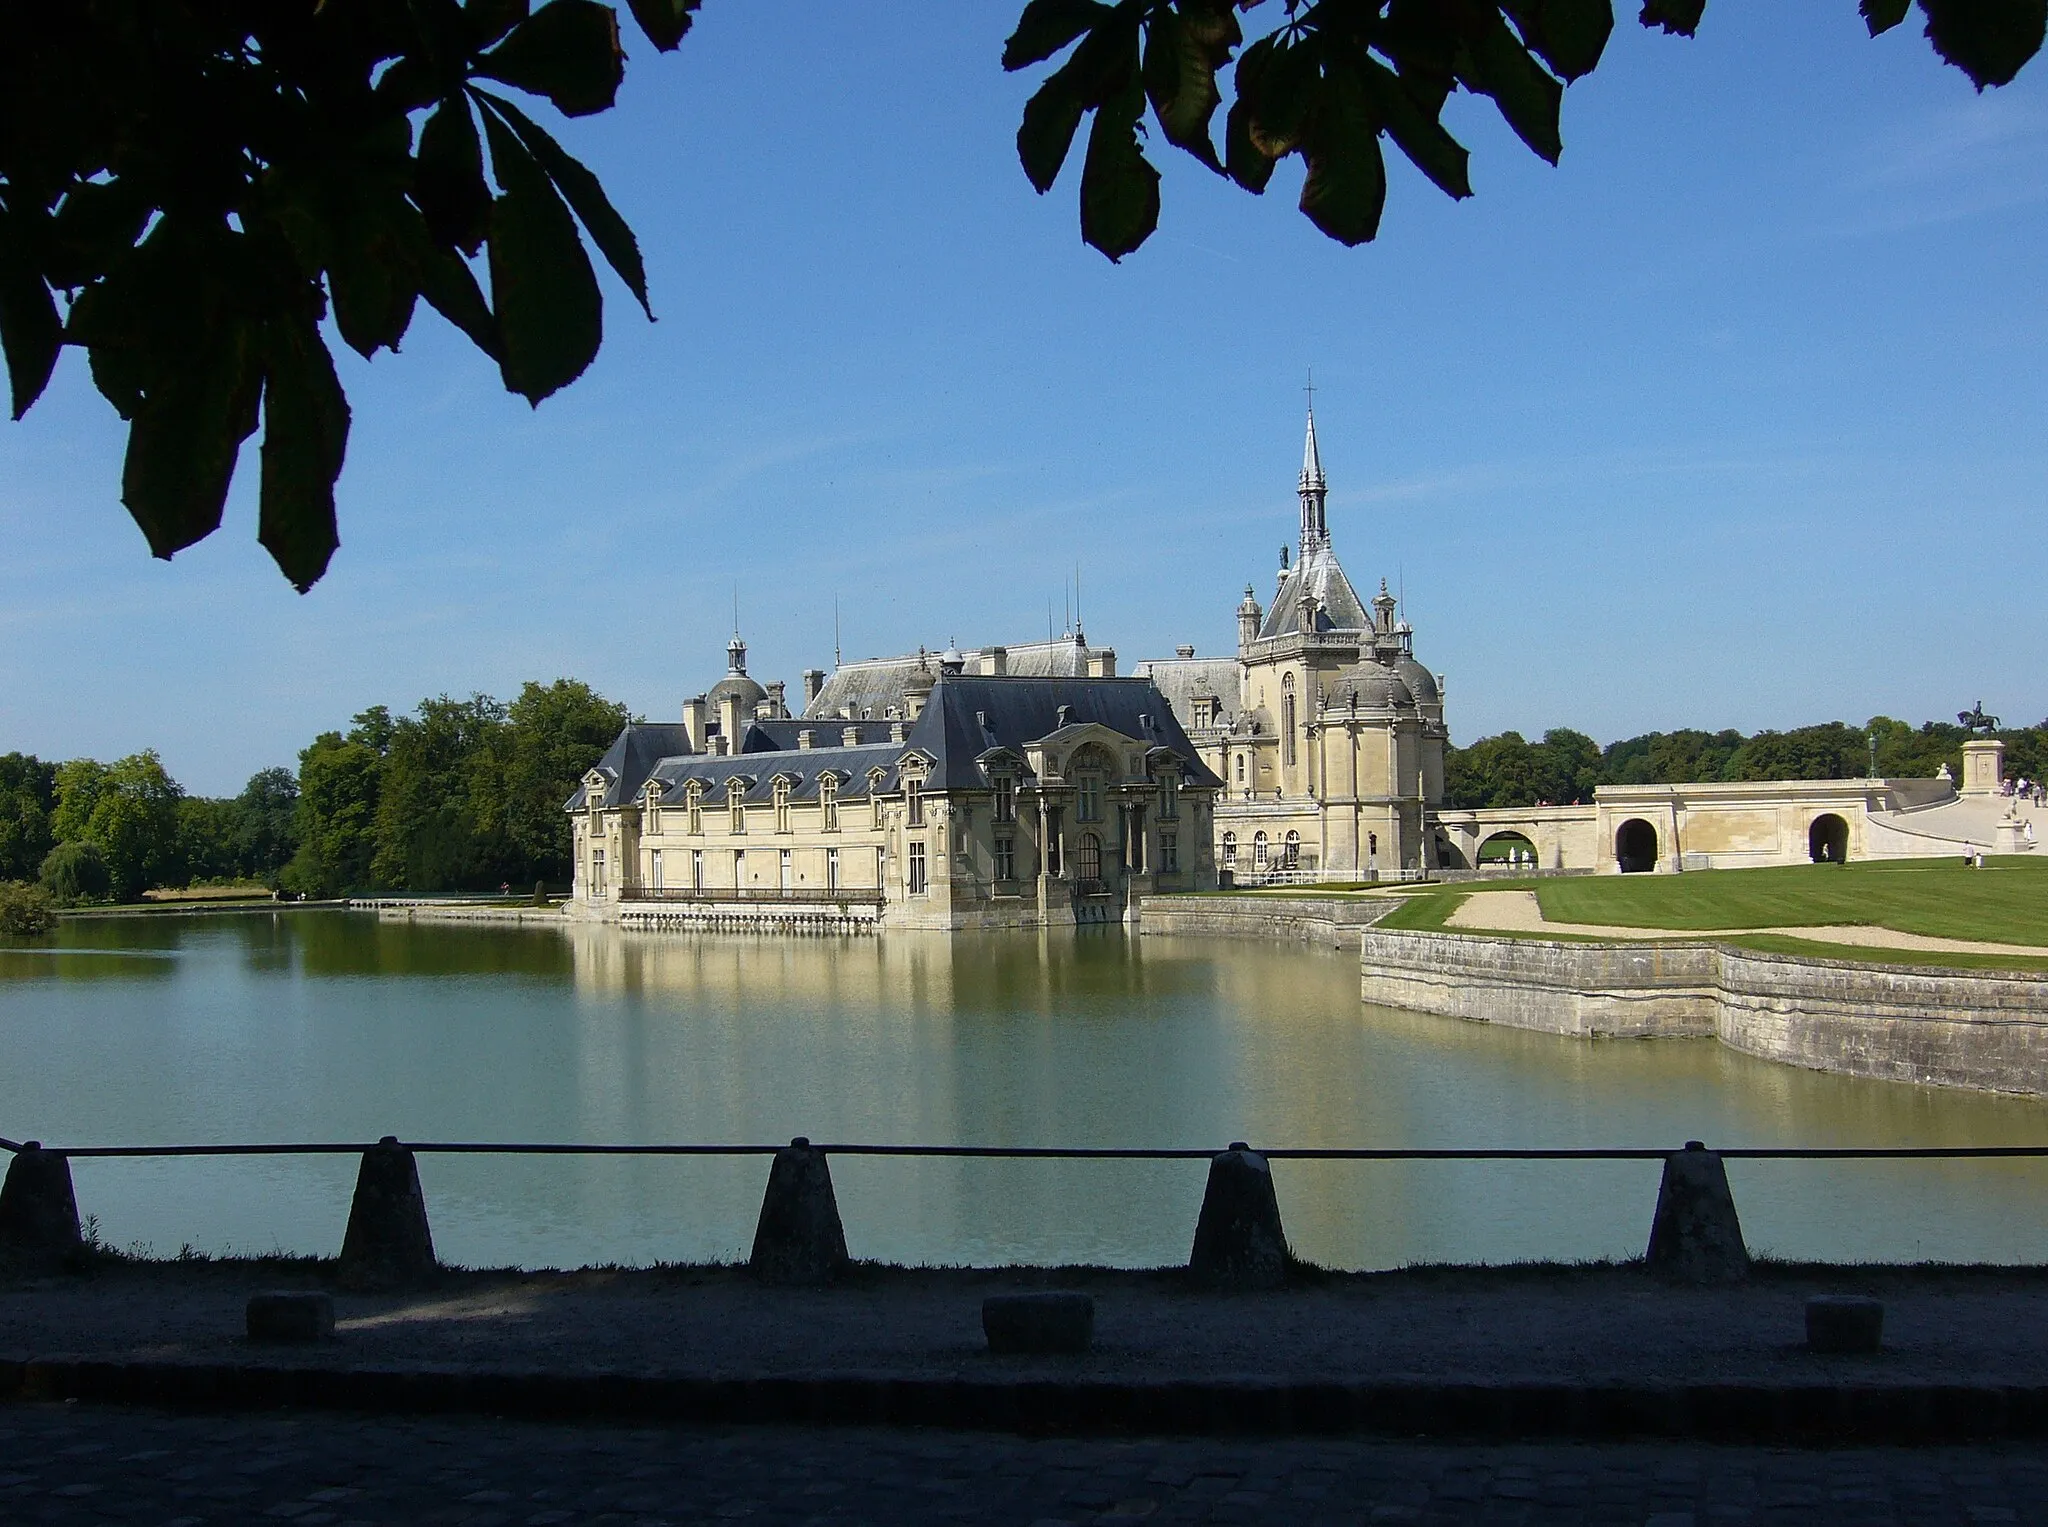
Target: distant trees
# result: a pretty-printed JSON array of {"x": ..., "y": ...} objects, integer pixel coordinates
[
  {"x": 28, "y": 793},
  {"x": 1566, "y": 766}
]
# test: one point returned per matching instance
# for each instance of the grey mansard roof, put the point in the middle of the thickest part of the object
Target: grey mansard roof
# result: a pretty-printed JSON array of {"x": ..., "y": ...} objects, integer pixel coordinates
[
  {"x": 632, "y": 757},
  {"x": 870, "y": 689},
  {"x": 1181, "y": 679},
  {"x": 1317, "y": 572}
]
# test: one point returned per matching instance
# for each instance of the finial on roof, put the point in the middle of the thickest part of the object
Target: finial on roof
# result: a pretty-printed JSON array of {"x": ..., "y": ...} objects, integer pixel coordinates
[{"x": 1311, "y": 458}]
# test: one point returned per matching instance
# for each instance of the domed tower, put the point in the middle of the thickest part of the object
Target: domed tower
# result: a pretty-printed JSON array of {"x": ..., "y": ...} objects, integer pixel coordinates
[{"x": 1248, "y": 617}]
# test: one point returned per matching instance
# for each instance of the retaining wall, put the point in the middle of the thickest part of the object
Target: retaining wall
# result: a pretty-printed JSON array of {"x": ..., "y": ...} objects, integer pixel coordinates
[
  {"x": 1984, "y": 1030},
  {"x": 1332, "y": 921}
]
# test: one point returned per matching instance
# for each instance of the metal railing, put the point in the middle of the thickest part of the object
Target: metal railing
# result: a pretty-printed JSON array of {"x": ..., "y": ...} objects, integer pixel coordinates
[{"x": 805, "y": 895}]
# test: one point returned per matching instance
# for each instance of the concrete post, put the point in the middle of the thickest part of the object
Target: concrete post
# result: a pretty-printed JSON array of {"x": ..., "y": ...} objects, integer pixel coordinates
[
  {"x": 1239, "y": 1243},
  {"x": 1696, "y": 1237},
  {"x": 799, "y": 1239},
  {"x": 38, "y": 1212},
  {"x": 388, "y": 1242}
]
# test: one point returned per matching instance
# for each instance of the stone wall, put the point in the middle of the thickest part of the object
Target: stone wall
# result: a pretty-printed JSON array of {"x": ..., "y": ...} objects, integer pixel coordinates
[
  {"x": 1985, "y": 1030},
  {"x": 1332, "y": 921}
]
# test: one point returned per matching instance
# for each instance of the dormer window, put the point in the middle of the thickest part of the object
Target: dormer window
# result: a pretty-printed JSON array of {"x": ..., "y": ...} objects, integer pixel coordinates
[
  {"x": 782, "y": 805},
  {"x": 828, "y": 803},
  {"x": 913, "y": 800},
  {"x": 693, "y": 805},
  {"x": 653, "y": 809},
  {"x": 735, "y": 805},
  {"x": 1006, "y": 799},
  {"x": 875, "y": 778},
  {"x": 1169, "y": 793}
]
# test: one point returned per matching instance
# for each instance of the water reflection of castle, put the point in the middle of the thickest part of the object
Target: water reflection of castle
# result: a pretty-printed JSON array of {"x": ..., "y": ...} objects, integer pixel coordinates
[{"x": 1030, "y": 785}]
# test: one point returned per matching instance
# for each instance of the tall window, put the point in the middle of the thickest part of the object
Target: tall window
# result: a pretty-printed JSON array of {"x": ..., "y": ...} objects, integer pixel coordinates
[
  {"x": 1006, "y": 858},
  {"x": 913, "y": 801},
  {"x": 1169, "y": 853},
  {"x": 597, "y": 872},
  {"x": 782, "y": 805},
  {"x": 1052, "y": 841},
  {"x": 1169, "y": 795},
  {"x": 917, "y": 880},
  {"x": 653, "y": 810},
  {"x": 1088, "y": 857},
  {"x": 875, "y": 800},
  {"x": 1292, "y": 860},
  {"x": 1006, "y": 798},
  {"x": 739, "y": 870},
  {"x": 1230, "y": 850},
  {"x": 735, "y": 807},
  {"x": 694, "y": 805},
  {"x": 696, "y": 869},
  {"x": 881, "y": 867},
  {"x": 1287, "y": 719},
  {"x": 1258, "y": 850},
  {"x": 831, "y": 869},
  {"x": 786, "y": 878},
  {"x": 1240, "y": 768},
  {"x": 654, "y": 869},
  {"x": 1088, "y": 798},
  {"x": 828, "y": 804}
]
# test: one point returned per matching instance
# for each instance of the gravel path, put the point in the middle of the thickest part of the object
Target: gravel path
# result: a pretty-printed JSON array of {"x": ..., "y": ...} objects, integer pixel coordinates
[
  {"x": 1480, "y": 1325},
  {"x": 1520, "y": 912}
]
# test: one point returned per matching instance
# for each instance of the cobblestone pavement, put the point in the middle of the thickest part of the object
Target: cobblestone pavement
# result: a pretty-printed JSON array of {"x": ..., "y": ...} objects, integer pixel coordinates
[{"x": 78, "y": 1464}]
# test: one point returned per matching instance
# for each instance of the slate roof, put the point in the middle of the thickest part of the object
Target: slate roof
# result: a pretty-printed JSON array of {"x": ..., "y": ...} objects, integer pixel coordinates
[
  {"x": 1180, "y": 679},
  {"x": 872, "y": 687},
  {"x": 1317, "y": 571},
  {"x": 826, "y": 731},
  {"x": 632, "y": 757},
  {"x": 760, "y": 771}
]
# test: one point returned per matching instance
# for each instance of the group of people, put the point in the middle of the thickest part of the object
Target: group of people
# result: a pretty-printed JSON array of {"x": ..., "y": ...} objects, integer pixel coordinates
[{"x": 2025, "y": 789}]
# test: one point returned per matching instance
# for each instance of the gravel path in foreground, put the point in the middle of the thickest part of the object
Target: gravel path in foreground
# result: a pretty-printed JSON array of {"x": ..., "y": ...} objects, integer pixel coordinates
[{"x": 69, "y": 1464}]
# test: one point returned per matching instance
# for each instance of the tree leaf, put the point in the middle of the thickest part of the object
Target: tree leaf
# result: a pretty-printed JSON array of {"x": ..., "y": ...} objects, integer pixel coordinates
[
  {"x": 1882, "y": 15},
  {"x": 1047, "y": 131},
  {"x": 1528, "y": 97},
  {"x": 373, "y": 282},
  {"x": 95, "y": 224},
  {"x": 488, "y": 20},
  {"x": 585, "y": 197},
  {"x": 665, "y": 21},
  {"x": 1568, "y": 35},
  {"x": 549, "y": 310},
  {"x": 1679, "y": 17},
  {"x": 1243, "y": 160},
  {"x": 568, "y": 51},
  {"x": 1989, "y": 40},
  {"x": 1421, "y": 136},
  {"x": 1280, "y": 96},
  {"x": 1183, "y": 51},
  {"x": 1119, "y": 189},
  {"x": 451, "y": 290},
  {"x": 30, "y": 332},
  {"x": 305, "y": 437},
  {"x": 183, "y": 441},
  {"x": 1346, "y": 189},
  {"x": 1048, "y": 26},
  {"x": 448, "y": 178}
]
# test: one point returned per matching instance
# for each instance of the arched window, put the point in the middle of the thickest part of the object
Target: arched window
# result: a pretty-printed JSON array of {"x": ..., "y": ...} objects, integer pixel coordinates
[
  {"x": 1292, "y": 852},
  {"x": 1230, "y": 850},
  {"x": 1240, "y": 768},
  {"x": 1287, "y": 719},
  {"x": 1258, "y": 850},
  {"x": 1088, "y": 857}
]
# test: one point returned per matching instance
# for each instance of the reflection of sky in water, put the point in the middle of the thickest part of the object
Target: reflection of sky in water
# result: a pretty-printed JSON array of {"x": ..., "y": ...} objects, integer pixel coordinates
[{"x": 305, "y": 1026}]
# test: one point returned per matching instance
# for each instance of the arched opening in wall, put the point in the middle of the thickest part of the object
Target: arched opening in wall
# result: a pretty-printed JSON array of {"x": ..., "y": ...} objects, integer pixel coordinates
[
  {"x": 1088, "y": 857},
  {"x": 1291, "y": 852},
  {"x": 1505, "y": 849},
  {"x": 1259, "y": 852},
  {"x": 1635, "y": 847},
  {"x": 1827, "y": 840},
  {"x": 1230, "y": 850}
]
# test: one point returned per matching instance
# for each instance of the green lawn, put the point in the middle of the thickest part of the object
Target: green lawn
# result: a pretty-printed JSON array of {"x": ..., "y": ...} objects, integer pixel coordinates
[{"x": 2006, "y": 902}]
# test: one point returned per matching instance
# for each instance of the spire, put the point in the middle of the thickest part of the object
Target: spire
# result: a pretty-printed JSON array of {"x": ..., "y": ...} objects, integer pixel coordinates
[
  {"x": 736, "y": 655},
  {"x": 1315, "y": 530}
]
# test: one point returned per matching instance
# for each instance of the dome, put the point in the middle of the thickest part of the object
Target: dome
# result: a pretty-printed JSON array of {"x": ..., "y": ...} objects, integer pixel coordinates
[
  {"x": 1420, "y": 681},
  {"x": 748, "y": 692},
  {"x": 1377, "y": 687}
]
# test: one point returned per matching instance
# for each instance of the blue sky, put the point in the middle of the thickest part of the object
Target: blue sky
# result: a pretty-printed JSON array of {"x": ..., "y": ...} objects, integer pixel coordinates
[{"x": 1733, "y": 419}]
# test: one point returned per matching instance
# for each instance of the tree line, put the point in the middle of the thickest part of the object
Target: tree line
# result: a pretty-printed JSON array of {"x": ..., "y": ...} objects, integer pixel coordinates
[
  {"x": 1565, "y": 767},
  {"x": 458, "y": 795}
]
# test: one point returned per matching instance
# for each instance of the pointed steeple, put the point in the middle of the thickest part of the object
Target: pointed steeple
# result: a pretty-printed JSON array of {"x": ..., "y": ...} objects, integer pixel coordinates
[{"x": 1315, "y": 529}]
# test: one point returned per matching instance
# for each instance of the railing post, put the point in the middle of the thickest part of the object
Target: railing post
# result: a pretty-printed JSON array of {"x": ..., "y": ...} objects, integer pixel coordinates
[
  {"x": 38, "y": 1212},
  {"x": 1696, "y": 1236},
  {"x": 1239, "y": 1242},
  {"x": 798, "y": 1239},
  {"x": 388, "y": 1242}
]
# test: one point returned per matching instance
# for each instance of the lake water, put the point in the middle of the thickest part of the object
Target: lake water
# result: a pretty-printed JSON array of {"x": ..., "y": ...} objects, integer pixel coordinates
[{"x": 333, "y": 1026}]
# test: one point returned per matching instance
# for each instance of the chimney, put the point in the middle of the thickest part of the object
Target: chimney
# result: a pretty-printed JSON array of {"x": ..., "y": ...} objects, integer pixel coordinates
[
  {"x": 896, "y": 731},
  {"x": 776, "y": 693},
  {"x": 693, "y": 722},
  {"x": 729, "y": 723},
  {"x": 814, "y": 681},
  {"x": 849, "y": 736},
  {"x": 1185, "y": 649},
  {"x": 995, "y": 662},
  {"x": 806, "y": 738},
  {"x": 1102, "y": 663}
]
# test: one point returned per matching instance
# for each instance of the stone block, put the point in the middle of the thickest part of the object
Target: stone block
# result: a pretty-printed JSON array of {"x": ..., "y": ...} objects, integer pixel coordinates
[
  {"x": 290, "y": 1317},
  {"x": 1038, "y": 1323},
  {"x": 38, "y": 1212},
  {"x": 1239, "y": 1242},
  {"x": 1696, "y": 1237},
  {"x": 388, "y": 1243},
  {"x": 798, "y": 1239},
  {"x": 1844, "y": 1323}
]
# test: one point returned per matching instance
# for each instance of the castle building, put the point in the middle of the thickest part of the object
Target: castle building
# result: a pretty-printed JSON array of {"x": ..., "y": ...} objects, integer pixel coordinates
[
  {"x": 1010, "y": 787},
  {"x": 1328, "y": 734}
]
